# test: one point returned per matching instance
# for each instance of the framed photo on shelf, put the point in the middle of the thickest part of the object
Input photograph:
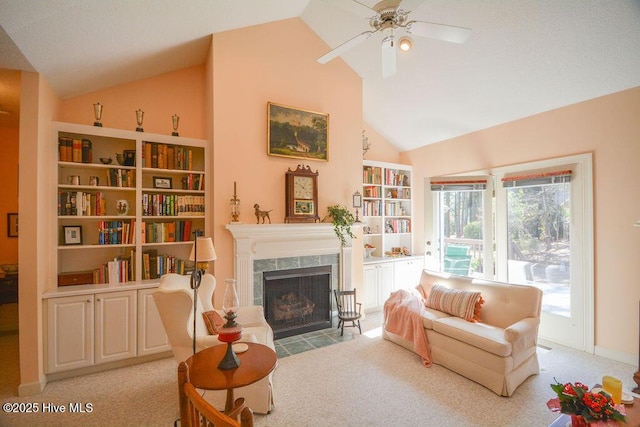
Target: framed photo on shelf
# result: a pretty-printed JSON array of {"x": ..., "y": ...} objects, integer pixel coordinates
[
  {"x": 12, "y": 225},
  {"x": 162, "y": 182},
  {"x": 296, "y": 133},
  {"x": 72, "y": 234}
]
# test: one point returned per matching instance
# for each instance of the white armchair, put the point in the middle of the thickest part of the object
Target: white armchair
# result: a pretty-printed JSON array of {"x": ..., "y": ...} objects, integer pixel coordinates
[{"x": 174, "y": 299}]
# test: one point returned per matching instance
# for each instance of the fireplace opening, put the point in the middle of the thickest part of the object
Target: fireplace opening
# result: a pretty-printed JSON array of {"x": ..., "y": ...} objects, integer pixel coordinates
[{"x": 297, "y": 300}]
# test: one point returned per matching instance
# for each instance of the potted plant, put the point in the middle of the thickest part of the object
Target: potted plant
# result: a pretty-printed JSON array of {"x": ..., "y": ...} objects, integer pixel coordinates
[{"x": 342, "y": 221}]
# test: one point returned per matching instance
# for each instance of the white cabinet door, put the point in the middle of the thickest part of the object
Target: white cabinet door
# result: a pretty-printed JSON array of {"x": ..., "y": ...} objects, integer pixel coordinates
[
  {"x": 151, "y": 335},
  {"x": 378, "y": 284},
  {"x": 385, "y": 278},
  {"x": 407, "y": 273},
  {"x": 115, "y": 331},
  {"x": 69, "y": 333},
  {"x": 370, "y": 300}
]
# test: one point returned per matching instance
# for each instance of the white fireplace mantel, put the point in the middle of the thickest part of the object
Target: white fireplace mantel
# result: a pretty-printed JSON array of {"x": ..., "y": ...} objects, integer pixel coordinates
[{"x": 265, "y": 241}]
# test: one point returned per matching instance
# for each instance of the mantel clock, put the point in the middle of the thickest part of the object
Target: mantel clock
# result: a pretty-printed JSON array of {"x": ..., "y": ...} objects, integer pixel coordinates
[{"x": 301, "y": 195}]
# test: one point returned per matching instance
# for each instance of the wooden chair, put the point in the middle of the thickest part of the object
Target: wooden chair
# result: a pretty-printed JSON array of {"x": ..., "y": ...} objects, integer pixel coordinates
[
  {"x": 196, "y": 412},
  {"x": 348, "y": 309}
]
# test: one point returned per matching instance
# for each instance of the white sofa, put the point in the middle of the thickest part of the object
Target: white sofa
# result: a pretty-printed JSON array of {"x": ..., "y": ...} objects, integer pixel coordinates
[
  {"x": 498, "y": 352},
  {"x": 174, "y": 299}
]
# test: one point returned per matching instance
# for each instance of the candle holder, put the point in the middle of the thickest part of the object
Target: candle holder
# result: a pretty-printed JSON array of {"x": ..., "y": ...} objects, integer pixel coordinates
[
  {"x": 175, "y": 119},
  {"x": 235, "y": 205},
  {"x": 139, "y": 118},
  {"x": 97, "y": 111}
]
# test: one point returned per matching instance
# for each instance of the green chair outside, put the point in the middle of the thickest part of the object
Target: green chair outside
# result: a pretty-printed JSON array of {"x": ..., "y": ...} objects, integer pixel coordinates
[{"x": 457, "y": 260}]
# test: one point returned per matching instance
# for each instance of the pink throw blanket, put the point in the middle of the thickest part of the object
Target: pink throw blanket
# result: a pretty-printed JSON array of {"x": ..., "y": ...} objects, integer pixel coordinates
[{"x": 403, "y": 317}]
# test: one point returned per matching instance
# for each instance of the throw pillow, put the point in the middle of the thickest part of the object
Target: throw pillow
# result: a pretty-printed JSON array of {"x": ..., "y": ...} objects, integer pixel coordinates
[
  {"x": 213, "y": 320},
  {"x": 453, "y": 301},
  {"x": 477, "y": 309}
]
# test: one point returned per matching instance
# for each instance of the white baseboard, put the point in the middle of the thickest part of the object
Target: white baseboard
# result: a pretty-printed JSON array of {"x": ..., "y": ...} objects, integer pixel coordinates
[
  {"x": 630, "y": 359},
  {"x": 29, "y": 389}
]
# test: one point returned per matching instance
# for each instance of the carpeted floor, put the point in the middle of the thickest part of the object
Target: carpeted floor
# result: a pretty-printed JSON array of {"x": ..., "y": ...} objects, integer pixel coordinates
[{"x": 365, "y": 381}]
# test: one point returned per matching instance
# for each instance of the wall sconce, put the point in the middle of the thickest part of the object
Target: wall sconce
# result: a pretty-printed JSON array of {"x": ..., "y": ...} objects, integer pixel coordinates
[
  {"x": 637, "y": 224},
  {"x": 405, "y": 44},
  {"x": 366, "y": 145},
  {"x": 357, "y": 203}
]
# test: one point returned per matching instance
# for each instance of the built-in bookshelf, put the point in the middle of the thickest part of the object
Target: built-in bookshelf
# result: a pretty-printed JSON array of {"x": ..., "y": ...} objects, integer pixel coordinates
[
  {"x": 127, "y": 203},
  {"x": 387, "y": 207}
]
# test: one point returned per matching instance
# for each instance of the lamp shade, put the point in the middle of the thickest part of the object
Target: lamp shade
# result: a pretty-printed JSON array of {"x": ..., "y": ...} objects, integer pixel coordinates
[{"x": 206, "y": 252}]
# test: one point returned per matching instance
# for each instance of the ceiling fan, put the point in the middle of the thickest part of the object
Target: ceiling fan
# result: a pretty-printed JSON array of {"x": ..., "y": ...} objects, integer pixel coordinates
[{"x": 387, "y": 19}]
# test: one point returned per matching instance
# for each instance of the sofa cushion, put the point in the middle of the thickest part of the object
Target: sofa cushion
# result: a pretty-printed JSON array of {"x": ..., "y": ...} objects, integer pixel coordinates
[
  {"x": 429, "y": 315},
  {"x": 486, "y": 337},
  {"x": 213, "y": 320},
  {"x": 456, "y": 302}
]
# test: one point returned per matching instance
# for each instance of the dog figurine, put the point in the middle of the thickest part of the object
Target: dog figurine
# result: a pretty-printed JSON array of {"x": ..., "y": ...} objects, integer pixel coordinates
[{"x": 261, "y": 214}]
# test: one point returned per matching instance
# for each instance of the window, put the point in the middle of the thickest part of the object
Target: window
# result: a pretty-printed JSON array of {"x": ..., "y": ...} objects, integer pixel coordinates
[
  {"x": 539, "y": 239},
  {"x": 460, "y": 224}
]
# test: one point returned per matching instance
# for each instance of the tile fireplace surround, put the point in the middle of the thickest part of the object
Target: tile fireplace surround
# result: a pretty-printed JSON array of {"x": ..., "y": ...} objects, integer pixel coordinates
[{"x": 283, "y": 244}]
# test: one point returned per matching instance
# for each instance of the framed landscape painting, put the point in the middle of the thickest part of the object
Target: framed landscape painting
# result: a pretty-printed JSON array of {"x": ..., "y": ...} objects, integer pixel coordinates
[{"x": 296, "y": 133}]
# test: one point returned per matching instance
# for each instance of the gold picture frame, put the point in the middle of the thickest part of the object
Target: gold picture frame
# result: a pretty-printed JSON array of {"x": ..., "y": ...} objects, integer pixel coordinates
[{"x": 296, "y": 133}]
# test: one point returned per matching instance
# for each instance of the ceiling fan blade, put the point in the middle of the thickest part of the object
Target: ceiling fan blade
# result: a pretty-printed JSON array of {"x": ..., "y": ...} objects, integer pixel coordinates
[
  {"x": 388, "y": 57},
  {"x": 444, "y": 32},
  {"x": 337, "y": 51}
]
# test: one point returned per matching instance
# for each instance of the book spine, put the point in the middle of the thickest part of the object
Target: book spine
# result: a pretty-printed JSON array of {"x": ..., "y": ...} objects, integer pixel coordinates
[{"x": 87, "y": 151}]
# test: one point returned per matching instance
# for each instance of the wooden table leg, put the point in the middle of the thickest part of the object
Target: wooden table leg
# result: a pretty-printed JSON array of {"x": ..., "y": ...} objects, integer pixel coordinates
[{"x": 228, "y": 406}]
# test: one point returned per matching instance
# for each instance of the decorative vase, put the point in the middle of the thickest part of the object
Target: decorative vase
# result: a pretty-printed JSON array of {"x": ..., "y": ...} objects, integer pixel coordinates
[{"x": 578, "y": 421}]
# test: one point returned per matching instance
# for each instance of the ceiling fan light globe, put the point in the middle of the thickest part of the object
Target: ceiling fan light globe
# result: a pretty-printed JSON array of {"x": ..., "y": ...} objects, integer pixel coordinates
[{"x": 405, "y": 44}]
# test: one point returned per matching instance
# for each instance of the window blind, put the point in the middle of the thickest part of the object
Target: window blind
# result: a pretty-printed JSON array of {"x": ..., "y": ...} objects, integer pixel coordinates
[
  {"x": 534, "y": 179},
  {"x": 459, "y": 184}
]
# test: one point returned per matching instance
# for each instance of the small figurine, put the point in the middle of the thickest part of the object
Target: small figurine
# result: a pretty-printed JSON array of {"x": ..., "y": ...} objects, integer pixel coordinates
[{"x": 261, "y": 214}]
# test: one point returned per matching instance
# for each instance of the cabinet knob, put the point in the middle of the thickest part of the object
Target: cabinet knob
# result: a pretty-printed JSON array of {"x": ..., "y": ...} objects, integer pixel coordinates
[
  {"x": 99, "y": 299},
  {"x": 88, "y": 300}
]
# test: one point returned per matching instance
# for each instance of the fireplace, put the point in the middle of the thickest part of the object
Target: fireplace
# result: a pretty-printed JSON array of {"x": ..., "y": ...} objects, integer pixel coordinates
[{"x": 297, "y": 300}]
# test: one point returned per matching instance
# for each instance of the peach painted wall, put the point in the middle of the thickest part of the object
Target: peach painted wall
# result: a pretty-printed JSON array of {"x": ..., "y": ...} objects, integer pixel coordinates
[
  {"x": 181, "y": 92},
  {"x": 38, "y": 107},
  {"x": 379, "y": 149},
  {"x": 254, "y": 66},
  {"x": 8, "y": 193},
  {"x": 609, "y": 128}
]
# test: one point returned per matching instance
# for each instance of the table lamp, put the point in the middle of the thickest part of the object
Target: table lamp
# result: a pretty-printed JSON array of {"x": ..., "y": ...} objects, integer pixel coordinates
[
  {"x": 201, "y": 253},
  {"x": 230, "y": 331}
]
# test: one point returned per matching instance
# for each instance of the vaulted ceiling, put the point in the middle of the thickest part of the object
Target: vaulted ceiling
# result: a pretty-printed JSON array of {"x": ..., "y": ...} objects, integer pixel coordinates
[{"x": 523, "y": 57}]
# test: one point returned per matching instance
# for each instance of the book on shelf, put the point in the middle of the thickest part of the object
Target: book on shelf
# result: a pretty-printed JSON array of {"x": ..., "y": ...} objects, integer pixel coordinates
[
  {"x": 171, "y": 157},
  {"x": 172, "y": 205},
  {"x": 154, "y": 155},
  {"x": 116, "y": 232},
  {"x": 121, "y": 178},
  {"x": 166, "y": 156},
  {"x": 65, "y": 145},
  {"x": 119, "y": 270},
  {"x": 162, "y": 232},
  {"x": 150, "y": 264},
  {"x": 81, "y": 203},
  {"x": 86, "y": 154},
  {"x": 76, "y": 150}
]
